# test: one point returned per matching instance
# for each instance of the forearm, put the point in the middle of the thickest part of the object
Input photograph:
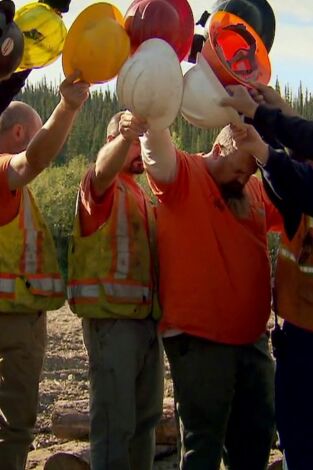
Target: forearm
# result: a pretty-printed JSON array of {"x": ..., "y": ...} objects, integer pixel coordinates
[
  {"x": 293, "y": 132},
  {"x": 291, "y": 181},
  {"x": 159, "y": 155},
  {"x": 109, "y": 163},
  {"x": 48, "y": 142}
]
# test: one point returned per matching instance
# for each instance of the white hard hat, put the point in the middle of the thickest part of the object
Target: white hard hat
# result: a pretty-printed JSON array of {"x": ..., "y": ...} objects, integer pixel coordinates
[
  {"x": 202, "y": 94},
  {"x": 150, "y": 84}
]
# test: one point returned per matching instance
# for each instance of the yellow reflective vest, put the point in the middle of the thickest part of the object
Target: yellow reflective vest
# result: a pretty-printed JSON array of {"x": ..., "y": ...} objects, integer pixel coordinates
[
  {"x": 294, "y": 277},
  {"x": 30, "y": 279},
  {"x": 112, "y": 271}
]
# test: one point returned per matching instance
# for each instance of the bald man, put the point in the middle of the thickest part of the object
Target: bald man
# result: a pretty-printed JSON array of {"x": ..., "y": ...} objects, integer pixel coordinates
[{"x": 30, "y": 281}]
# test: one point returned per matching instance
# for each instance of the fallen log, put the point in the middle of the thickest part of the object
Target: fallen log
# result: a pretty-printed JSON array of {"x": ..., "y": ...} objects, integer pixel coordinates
[
  {"x": 68, "y": 461},
  {"x": 71, "y": 421},
  {"x": 81, "y": 460},
  {"x": 166, "y": 430}
]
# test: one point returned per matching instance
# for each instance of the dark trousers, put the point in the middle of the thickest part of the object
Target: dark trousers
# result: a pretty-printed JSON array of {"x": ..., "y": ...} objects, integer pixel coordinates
[
  {"x": 294, "y": 396},
  {"x": 225, "y": 397},
  {"x": 126, "y": 392},
  {"x": 22, "y": 349}
]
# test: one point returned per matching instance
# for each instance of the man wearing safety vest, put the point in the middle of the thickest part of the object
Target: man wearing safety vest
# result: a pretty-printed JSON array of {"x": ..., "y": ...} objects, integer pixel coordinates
[
  {"x": 30, "y": 281},
  {"x": 112, "y": 286},
  {"x": 290, "y": 183},
  {"x": 212, "y": 221}
]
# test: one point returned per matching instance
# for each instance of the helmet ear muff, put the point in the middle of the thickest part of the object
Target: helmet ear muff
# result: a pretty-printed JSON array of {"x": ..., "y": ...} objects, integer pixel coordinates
[
  {"x": 199, "y": 37},
  {"x": 60, "y": 5},
  {"x": 11, "y": 40},
  {"x": 7, "y": 7}
]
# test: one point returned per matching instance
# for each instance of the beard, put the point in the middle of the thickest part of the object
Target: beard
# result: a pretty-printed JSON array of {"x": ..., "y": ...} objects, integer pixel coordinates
[
  {"x": 235, "y": 198},
  {"x": 136, "y": 166}
]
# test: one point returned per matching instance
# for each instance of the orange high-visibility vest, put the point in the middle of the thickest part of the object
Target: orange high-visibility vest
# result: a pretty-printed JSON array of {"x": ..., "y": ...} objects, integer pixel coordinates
[
  {"x": 30, "y": 279},
  {"x": 111, "y": 270},
  {"x": 294, "y": 277}
]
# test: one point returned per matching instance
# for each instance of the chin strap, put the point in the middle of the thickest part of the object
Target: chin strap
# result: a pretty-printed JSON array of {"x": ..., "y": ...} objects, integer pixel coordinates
[{"x": 199, "y": 37}]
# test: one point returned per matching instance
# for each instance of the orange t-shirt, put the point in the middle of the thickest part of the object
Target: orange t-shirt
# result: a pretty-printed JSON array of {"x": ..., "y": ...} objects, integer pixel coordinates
[
  {"x": 94, "y": 210},
  {"x": 214, "y": 268},
  {"x": 10, "y": 200}
]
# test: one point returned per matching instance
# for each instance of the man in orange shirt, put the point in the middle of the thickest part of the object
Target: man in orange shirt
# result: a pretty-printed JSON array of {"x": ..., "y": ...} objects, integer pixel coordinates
[
  {"x": 212, "y": 222},
  {"x": 30, "y": 281},
  {"x": 112, "y": 287}
]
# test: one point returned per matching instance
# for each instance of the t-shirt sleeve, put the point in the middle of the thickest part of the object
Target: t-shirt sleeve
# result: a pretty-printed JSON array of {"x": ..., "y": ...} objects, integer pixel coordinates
[
  {"x": 10, "y": 200},
  {"x": 177, "y": 187},
  {"x": 93, "y": 210}
]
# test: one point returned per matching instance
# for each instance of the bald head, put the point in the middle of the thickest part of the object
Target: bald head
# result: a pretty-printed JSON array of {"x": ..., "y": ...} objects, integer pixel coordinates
[
  {"x": 17, "y": 113},
  {"x": 18, "y": 124}
]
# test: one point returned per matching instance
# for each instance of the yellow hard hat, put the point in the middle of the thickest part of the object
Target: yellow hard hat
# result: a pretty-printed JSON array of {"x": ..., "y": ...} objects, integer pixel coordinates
[
  {"x": 44, "y": 34},
  {"x": 97, "y": 44}
]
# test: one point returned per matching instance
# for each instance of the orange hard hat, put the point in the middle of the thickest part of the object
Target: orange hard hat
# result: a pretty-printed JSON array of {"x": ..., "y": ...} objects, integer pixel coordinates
[
  {"x": 257, "y": 13},
  {"x": 235, "y": 51}
]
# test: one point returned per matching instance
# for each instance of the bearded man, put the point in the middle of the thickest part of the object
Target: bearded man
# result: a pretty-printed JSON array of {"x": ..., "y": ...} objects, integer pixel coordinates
[
  {"x": 212, "y": 221},
  {"x": 112, "y": 286}
]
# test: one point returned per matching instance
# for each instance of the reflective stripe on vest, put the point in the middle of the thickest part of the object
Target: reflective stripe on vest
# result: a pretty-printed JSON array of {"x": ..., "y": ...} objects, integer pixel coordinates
[
  {"x": 84, "y": 291},
  {"x": 7, "y": 285},
  {"x": 44, "y": 285},
  {"x": 30, "y": 255},
  {"x": 88, "y": 291},
  {"x": 40, "y": 284},
  {"x": 127, "y": 291},
  {"x": 285, "y": 253},
  {"x": 122, "y": 239}
]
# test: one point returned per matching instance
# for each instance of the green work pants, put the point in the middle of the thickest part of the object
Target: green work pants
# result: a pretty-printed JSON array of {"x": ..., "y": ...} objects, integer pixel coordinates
[
  {"x": 126, "y": 392},
  {"x": 22, "y": 348}
]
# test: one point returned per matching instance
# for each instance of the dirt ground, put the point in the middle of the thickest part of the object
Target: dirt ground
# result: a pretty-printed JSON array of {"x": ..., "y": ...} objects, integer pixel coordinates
[{"x": 65, "y": 377}]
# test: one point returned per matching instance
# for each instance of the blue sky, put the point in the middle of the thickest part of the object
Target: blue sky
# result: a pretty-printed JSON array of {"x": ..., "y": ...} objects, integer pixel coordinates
[{"x": 291, "y": 55}]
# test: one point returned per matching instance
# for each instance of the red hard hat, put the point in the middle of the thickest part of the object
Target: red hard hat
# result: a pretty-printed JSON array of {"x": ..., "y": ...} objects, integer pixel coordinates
[{"x": 171, "y": 21}]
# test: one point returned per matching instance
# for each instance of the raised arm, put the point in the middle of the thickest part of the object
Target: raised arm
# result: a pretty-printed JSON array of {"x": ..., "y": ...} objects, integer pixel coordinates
[
  {"x": 280, "y": 121},
  {"x": 159, "y": 155},
  {"x": 291, "y": 181},
  {"x": 112, "y": 157},
  {"x": 49, "y": 140}
]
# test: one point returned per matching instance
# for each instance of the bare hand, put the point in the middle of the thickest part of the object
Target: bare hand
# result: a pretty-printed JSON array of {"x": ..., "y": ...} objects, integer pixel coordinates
[
  {"x": 131, "y": 127},
  {"x": 241, "y": 100},
  {"x": 248, "y": 139},
  {"x": 271, "y": 97},
  {"x": 74, "y": 93}
]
